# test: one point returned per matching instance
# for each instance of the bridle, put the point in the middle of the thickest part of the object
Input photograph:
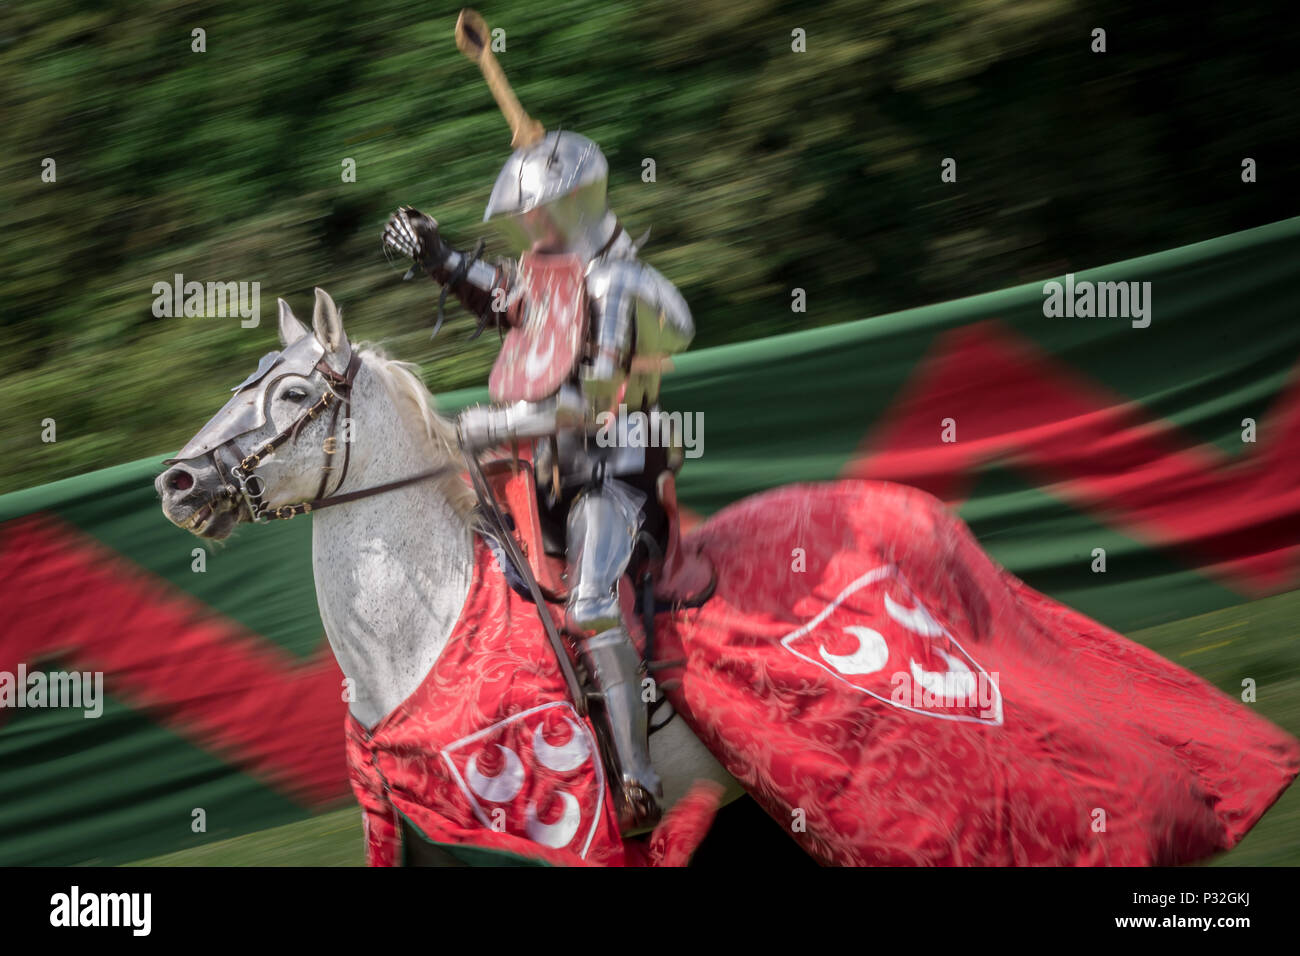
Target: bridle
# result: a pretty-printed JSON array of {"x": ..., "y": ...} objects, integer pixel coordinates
[{"x": 338, "y": 397}]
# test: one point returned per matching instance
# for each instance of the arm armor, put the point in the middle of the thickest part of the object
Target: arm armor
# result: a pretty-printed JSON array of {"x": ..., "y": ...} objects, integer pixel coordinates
[
  {"x": 638, "y": 320},
  {"x": 482, "y": 286},
  {"x": 484, "y": 426},
  {"x": 478, "y": 285}
]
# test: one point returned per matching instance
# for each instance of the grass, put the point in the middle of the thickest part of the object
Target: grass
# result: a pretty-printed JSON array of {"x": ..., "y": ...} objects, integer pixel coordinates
[
  {"x": 1255, "y": 640},
  {"x": 331, "y": 839}
]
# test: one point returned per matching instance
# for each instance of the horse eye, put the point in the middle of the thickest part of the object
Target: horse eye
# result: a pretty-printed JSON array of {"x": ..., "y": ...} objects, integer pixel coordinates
[{"x": 294, "y": 394}]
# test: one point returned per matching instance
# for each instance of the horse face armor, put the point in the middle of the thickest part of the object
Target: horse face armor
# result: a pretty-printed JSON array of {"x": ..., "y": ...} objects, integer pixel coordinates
[{"x": 246, "y": 411}]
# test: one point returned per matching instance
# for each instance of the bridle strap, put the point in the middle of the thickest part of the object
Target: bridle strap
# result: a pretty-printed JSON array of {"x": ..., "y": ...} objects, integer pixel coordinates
[
  {"x": 340, "y": 389},
  {"x": 306, "y": 507},
  {"x": 330, "y": 447}
]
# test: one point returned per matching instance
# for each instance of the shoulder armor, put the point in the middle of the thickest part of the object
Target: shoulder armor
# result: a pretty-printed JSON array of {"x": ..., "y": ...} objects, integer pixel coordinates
[{"x": 627, "y": 291}]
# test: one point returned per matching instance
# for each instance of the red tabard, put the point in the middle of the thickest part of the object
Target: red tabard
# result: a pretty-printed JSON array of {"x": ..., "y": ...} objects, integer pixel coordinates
[
  {"x": 885, "y": 690},
  {"x": 893, "y": 696},
  {"x": 488, "y": 753},
  {"x": 487, "y": 748},
  {"x": 541, "y": 351}
]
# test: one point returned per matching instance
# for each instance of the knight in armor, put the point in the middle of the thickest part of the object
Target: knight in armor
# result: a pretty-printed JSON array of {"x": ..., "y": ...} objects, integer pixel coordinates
[{"x": 600, "y": 325}]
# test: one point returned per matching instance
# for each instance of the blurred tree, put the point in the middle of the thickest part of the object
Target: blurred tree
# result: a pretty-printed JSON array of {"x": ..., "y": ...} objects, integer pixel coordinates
[{"x": 774, "y": 169}]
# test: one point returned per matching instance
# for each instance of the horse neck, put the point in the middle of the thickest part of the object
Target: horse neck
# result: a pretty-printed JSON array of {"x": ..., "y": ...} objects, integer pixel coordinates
[{"x": 392, "y": 570}]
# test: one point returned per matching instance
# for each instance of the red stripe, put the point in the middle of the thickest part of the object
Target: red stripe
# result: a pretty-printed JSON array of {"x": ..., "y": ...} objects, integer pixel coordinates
[
  {"x": 1236, "y": 517},
  {"x": 164, "y": 652}
]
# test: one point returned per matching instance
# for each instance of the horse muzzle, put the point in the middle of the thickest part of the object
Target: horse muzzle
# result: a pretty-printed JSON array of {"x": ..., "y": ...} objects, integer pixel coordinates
[{"x": 196, "y": 497}]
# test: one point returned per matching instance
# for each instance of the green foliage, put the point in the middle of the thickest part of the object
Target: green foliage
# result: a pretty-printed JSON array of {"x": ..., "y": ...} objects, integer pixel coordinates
[{"x": 775, "y": 169}]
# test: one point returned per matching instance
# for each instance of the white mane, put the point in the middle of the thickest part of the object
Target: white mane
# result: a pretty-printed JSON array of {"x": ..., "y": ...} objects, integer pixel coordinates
[{"x": 416, "y": 405}]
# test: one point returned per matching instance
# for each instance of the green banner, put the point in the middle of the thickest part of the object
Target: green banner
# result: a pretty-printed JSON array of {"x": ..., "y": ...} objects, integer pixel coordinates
[{"x": 1138, "y": 465}]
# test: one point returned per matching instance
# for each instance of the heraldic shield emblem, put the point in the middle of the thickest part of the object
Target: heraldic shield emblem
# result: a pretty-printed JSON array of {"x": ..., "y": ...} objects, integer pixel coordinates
[
  {"x": 878, "y": 637},
  {"x": 537, "y": 775},
  {"x": 542, "y": 350}
]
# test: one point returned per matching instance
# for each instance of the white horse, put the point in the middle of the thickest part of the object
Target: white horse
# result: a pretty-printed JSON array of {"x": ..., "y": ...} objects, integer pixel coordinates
[{"x": 392, "y": 569}]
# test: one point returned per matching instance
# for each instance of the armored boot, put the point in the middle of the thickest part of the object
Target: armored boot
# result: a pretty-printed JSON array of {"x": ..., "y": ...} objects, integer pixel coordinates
[
  {"x": 615, "y": 669},
  {"x": 601, "y": 531}
]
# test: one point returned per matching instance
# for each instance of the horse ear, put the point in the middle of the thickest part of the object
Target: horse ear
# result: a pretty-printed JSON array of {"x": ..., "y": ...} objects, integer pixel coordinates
[
  {"x": 329, "y": 327},
  {"x": 291, "y": 330}
]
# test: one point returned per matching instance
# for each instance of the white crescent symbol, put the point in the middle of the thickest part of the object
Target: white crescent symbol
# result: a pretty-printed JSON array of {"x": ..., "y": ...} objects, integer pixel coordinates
[
  {"x": 915, "y": 619},
  {"x": 504, "y": 786},
  {"x": 535, "y": 363},
  {"x": 956, "y": 682},
  {"x": 560, "y": 832},
  {"x": 567, "y": 756},
  {"x": 871, "y": 655}
]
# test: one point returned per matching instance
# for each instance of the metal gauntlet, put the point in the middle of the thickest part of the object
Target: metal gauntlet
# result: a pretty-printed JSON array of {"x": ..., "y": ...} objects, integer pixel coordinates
[
  {"x": 412, "y": 234},
  {"x": 415, "y": 235}
]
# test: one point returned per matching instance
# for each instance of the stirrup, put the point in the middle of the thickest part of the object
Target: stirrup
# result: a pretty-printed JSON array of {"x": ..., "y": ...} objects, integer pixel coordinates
[{"x": 637, "y": 808}]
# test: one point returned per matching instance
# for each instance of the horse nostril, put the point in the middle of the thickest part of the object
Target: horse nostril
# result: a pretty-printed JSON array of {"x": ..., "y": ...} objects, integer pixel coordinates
[{"x": 180, "y": 481}]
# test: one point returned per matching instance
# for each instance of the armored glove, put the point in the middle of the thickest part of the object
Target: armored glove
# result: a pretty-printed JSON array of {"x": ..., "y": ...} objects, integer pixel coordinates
[{"x": 412, "y": 234}]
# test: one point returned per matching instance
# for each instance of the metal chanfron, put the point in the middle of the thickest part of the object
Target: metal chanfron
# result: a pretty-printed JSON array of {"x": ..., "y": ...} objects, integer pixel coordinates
[{"x": 247, "y": 409}]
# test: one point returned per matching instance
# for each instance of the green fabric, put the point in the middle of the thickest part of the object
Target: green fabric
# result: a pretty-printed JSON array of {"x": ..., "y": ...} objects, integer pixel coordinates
[
  {"x": 466, "y": 854},
  {"x": 1222, "y": 345},
  {"x": 118, "y": 788}
]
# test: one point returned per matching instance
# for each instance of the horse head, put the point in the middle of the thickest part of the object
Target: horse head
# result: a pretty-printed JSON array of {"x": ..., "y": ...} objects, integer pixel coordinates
[{"x": 274, "y": 443}]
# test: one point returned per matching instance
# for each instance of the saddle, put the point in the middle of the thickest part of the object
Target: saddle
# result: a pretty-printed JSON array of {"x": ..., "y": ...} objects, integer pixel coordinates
[{"x": 681, "y": 574}]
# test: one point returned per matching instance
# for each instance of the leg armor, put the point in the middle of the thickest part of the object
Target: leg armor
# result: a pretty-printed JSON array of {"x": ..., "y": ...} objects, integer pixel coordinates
[{"x": 602, "y": 527}]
